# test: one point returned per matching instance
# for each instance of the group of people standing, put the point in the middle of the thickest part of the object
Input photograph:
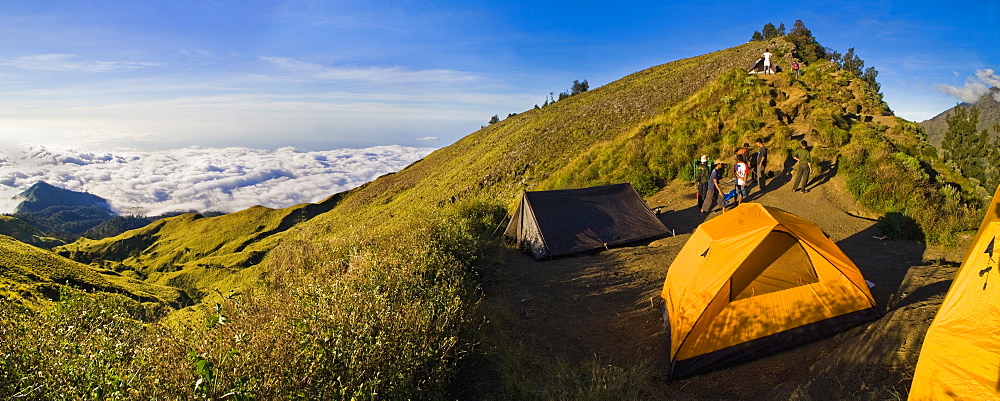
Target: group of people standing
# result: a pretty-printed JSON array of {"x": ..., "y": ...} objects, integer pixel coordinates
[
  {"x": 747, "y": 169},
  {"x": 769, "y": 64}
]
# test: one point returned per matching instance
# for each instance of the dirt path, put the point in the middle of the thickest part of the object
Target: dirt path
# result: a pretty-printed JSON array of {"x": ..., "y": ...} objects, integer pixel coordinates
[{"x": 606, "y": 305}]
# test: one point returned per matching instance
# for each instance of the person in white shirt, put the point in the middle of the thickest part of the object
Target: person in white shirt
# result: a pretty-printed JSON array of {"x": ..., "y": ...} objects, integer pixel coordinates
[
  {"x": 768, "y": 69},
  {"x": 742, "y": 170}
]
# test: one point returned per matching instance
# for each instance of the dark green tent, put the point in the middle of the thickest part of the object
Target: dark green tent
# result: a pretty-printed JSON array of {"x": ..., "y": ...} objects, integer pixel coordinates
[{"x": 561, "y": 222}]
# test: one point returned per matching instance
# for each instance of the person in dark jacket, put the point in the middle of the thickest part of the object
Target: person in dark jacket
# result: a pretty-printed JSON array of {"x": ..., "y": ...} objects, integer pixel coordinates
[
  {"x": 701, "y": 175},
  {"x": 761, "y": 164},
  {"x": 803, "y": 167},
  {"x": 714, "y": 188}
]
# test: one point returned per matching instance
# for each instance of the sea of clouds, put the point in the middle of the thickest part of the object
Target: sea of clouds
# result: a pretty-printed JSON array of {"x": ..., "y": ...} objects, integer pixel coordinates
[{"x": 198, "y": 179}]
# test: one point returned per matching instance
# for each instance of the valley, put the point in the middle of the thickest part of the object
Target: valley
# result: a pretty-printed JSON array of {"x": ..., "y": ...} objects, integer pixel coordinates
[{"x": 402, "y": 288}]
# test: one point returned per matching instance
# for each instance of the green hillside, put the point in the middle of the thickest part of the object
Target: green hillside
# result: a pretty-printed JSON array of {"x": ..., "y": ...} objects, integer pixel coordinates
[
  {"x": 495, "y": 163},
  {"x": 370, "y": 294},
  {"x": 521, "y": 152},
  {"x": 21, "y": 231},
  {"x": 647, "y": 127},
  {"x": 32, "y": 275},
  {"x": 374, "y": 293},
  {"x": 199, "y": 254}
]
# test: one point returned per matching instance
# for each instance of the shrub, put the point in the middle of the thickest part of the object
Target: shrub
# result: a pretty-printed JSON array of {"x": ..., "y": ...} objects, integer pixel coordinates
[
  {"x": 83, "y": 347},
  {"x": 899, "y": 186},
  {"x": 376, "y": 315}
]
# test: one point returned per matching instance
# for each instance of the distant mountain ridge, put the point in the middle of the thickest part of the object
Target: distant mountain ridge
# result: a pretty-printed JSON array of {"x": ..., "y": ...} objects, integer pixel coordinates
[
  {"x": 61, "y": 212},
  {"x": 70, "y": 214},
  {"x": 396, "y": 255},
  {"x": 42, "y": 195},
  {"x": 989, "y": 116},
  {"x": 498, "y": 161}
]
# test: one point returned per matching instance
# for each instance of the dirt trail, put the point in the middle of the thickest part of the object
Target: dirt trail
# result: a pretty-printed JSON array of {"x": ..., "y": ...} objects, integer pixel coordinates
[{"x": 606, "y": 304}]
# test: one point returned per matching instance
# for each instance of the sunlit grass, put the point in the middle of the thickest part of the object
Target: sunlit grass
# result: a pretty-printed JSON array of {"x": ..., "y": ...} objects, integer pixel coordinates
[{"x": 372, "y": 294}]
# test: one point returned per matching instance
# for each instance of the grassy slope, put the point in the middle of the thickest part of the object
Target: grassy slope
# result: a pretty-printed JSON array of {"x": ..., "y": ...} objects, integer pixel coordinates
[
  {"x": 376, "y": 288},
  {"x": 737, "y": 108},
  {"x": 21, "y": 231},
  {"x": 642, "y": 129},
  {"x": 501, "y": 160},
  {"x": 496, "y": 163},
  {"x": 171, "y": 246},
  {"x": 34, "y": 275}
]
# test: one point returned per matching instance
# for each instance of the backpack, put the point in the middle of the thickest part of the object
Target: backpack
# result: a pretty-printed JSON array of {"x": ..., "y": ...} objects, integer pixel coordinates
[{"x": 701, "y": 173}]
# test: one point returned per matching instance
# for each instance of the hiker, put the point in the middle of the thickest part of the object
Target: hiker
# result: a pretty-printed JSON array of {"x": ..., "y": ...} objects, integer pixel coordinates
[
  {"x": 701, "y": 175},
  {"x": 767, "y": 62},
  {"x": 742, "y": 150},
  {"x": 741, "y": 169},
  {"x": 803, "y": 167},
  {"x": 713, "y": 188},
  {"x": 795, "y": 67},
  {"x": 761, "y": 164}
]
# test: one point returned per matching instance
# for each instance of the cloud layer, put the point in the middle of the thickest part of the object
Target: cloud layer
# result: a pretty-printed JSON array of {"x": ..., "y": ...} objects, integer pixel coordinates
[
  {"x": 975, "y": 87},
  {"x": 200, "y": 179}
]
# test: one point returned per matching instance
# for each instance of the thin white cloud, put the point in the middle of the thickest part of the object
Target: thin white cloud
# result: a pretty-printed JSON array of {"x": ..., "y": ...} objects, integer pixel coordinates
[
  {"x": 69, "y": 62},
  {"x": 379, "y": 75},
  {"x": 970, "y": 93},
  {"x": 989, "y": 77},
  {"x": 974, "y": 88},
  {"x": 428, "y": 138},
  {"x": 201, "y": 179}
]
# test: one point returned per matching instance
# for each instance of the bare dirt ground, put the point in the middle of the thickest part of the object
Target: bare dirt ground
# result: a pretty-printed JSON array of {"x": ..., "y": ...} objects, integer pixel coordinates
[{"x": 606, "y": 304}]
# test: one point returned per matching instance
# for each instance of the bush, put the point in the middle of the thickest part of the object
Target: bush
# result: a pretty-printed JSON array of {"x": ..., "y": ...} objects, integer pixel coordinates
[
  {"x": 898, "y": 225},
  {"x": 84, "y": 347},
  {"x": 379, "y": 315},
  {"x": 899, "y": 186}
]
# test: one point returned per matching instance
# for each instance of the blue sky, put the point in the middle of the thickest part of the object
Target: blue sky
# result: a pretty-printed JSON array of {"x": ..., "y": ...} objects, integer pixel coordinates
[{"x": 316, "y": 75}]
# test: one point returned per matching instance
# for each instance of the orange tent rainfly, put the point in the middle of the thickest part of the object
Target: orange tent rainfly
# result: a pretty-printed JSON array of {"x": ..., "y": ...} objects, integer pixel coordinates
[
  {"x": 753, "y": 281},
  {"x": 960, "y": 358}
]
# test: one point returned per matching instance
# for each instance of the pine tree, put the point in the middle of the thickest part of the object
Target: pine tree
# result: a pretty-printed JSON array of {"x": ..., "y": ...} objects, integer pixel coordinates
[
  {"x": 869, "y": 77},
  {"x": 964, "y": 145},
  {"x": 851, "y": 62},
  {"x": 808, "y": 49},
  {"x": 833, "y": 55},
  {"x": 769, "y": 31},
  {"x": 992, "y": 167},
  {"x": 756, "y": 37}
]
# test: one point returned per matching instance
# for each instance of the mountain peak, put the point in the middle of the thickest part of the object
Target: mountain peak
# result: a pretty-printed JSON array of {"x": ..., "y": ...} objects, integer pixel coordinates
[
  {"x": 42, "y": 195},
  {"x": 989, "y": 115}
]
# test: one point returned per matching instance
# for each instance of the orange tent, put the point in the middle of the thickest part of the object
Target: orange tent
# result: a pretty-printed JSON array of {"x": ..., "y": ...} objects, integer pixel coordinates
[
  {"x": 960, "y": 358},
  {"x": 753, "y": 281}
]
